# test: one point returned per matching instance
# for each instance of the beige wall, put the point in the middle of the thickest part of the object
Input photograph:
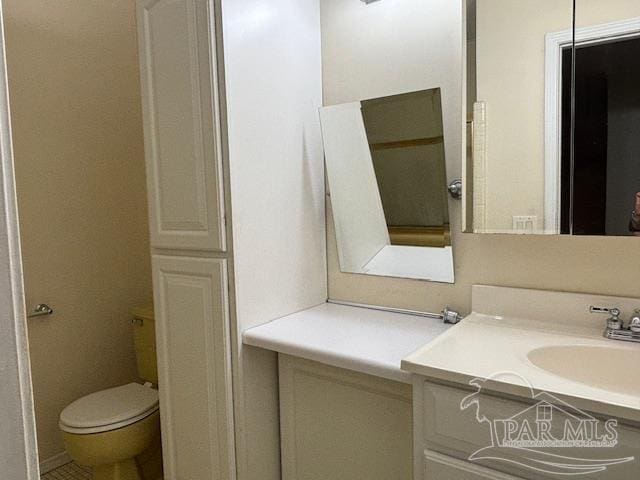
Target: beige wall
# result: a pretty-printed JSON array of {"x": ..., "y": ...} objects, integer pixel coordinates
[
  {"x": 77, "y": 132},
  {"x": 585, "y": 264},
  {"x": 511, "y": 80},
  {"x": 596, "y": 12}
]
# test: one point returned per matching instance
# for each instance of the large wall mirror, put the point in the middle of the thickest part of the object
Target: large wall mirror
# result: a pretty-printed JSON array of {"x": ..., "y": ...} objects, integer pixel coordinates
[
  {"x": 385, "y": 163},
  {"x": 553, "y": 117}
]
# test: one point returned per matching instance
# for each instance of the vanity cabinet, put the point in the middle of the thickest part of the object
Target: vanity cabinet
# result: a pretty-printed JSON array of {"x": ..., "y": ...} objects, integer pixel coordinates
[
  {"x": 447, "y": 432},
  {"x": 341, "y": 424}
]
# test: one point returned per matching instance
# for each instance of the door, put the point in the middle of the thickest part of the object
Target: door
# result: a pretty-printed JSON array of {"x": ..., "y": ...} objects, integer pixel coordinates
[{"x": 18, "y": 450}]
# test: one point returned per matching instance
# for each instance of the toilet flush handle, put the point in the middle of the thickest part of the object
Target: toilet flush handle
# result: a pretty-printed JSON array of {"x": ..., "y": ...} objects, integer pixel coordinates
[{"x": 137, "y": 322}]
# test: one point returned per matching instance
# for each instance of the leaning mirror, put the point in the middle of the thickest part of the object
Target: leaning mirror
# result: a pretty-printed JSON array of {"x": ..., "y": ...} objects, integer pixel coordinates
[
  {"x": 554, "y": 127},
  {"x": 385, "y": 164}
]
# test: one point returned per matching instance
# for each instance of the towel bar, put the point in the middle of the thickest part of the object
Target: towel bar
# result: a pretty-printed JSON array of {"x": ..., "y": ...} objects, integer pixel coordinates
[{"x": 40, "y": 310}]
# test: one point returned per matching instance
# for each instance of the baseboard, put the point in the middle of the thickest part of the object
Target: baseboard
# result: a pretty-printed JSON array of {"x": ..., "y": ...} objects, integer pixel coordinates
[{"x": 54, "y": 462}]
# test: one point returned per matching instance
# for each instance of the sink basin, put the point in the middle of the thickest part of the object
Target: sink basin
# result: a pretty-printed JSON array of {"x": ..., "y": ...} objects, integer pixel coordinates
[{"x": 607, "y": 368}]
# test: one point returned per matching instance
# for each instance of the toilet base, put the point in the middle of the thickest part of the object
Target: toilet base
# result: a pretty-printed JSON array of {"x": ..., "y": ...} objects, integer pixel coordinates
[
  {"x": 127, "y": 470},
  {"x": 113, "y": 455}
]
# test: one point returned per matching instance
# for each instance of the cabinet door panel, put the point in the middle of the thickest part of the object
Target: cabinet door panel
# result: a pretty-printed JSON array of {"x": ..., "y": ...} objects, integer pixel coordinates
[
  {"x": 194, "y": 367},
  {"x": 182, "y": 138},
  {"x": 339, "y": 424}
]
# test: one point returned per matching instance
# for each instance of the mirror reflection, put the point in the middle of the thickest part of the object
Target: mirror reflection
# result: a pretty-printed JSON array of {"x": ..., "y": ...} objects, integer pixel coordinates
[
  {"x": 604, "y": 196},
  {"x": 386, "y": 173},
  {"x": 554, "y": 125}
]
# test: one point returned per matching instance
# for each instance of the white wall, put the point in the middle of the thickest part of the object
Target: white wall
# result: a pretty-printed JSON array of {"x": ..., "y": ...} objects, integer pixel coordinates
[
  {"x": 273, "y": 91},
  {"x": 562, "y": 263}
]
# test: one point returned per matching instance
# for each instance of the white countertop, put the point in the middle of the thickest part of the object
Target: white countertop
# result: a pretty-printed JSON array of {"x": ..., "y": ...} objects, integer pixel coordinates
[
  {"x": 496, "y": 348},
  {"x": 354, "y": 338}
]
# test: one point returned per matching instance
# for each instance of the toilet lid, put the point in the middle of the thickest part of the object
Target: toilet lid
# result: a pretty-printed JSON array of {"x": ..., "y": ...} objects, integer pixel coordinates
[{"x": 113, "y": 408}]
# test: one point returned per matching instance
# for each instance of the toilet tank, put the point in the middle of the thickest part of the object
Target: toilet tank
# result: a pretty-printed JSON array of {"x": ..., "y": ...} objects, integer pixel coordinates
[{"x": 144, "y": 338}]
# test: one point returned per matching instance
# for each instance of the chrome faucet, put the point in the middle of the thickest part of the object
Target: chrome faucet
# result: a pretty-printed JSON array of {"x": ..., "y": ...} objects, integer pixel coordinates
[{"x": 616, "y": 329}]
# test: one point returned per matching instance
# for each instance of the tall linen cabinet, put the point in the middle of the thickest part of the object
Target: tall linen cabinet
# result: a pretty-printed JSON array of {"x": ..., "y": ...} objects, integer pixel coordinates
[
  {"x": 188, "y": 237},
  {"x": 230, "y": 120}
]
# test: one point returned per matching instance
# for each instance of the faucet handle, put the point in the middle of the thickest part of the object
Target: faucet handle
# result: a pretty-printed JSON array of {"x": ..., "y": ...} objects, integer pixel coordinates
[
  {"x": 614, "y": 312},
  {"x": 613, "y": 322},
  {"x": 634, "y": 325}
]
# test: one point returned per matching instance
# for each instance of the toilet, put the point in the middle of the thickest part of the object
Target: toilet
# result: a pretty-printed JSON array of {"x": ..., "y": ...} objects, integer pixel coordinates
[{"x": 112, "y": 429}]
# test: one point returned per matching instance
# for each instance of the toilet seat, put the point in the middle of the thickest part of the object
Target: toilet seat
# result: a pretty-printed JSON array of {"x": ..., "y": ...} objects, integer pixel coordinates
[{"x": 109, "y": 409}]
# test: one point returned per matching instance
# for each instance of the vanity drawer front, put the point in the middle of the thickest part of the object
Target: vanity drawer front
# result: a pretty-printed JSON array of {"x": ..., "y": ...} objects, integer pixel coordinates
[
  {"x": 443, "y": 426},
  {"x": 443, "y": 467}
]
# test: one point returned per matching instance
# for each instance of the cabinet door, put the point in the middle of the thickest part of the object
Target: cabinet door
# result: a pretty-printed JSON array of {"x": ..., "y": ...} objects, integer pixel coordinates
[
  {"x": 181, "y": 123},
  {"x": 194, "y": 367},
  {"x": 342, "y": 425}
]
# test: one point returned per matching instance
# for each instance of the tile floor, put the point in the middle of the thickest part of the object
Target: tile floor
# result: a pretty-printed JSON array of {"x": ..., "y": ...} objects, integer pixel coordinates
[{"x": 70, "y": 471}]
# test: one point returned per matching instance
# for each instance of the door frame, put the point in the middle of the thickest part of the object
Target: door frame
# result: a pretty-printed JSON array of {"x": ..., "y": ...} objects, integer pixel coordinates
[
  {"x": 18, "y": 447},
  {"x": 555, "y": 43}
]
